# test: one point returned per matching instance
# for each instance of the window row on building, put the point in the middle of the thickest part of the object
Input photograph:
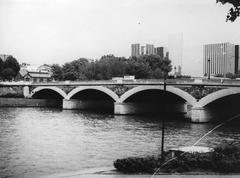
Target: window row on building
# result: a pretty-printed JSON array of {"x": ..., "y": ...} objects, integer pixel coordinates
[
  {"x": 138, "y": 50},
  {"x": 221, "y": 58}
]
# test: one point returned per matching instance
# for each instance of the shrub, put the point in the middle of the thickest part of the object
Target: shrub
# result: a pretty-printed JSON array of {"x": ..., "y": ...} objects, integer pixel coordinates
[
  {"x": 134, "y": 164},
  {"x": 225, "y": 158}
]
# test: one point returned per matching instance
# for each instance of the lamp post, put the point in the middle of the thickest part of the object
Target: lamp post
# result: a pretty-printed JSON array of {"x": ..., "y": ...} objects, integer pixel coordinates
[
  {"x": 209, "y": 68},
  {"x": 163, "y": 119}
]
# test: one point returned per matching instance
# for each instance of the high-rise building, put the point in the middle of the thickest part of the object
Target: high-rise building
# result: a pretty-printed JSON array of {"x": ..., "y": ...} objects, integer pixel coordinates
[
  {"x": 149, "y": 49},
  {"x": 175, "y": 46},
  {"x": 143, "y": 51},
  {"x": 135, "y": 50},
  {"x": 237, "y": 58},
  {"x": 159, "y": 51},
  {"x": 220, "y": 58}
]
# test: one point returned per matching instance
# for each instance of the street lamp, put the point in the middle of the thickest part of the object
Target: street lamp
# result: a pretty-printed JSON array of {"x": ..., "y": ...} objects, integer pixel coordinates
[
  {"x": 163, "y": 119},
  {"x": 209, "y": 68}
]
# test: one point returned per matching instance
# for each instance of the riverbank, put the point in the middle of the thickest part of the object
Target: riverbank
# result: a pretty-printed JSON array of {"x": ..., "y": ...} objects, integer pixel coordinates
[
  {"x": 28, "y": 102},
  {"x": 223, "y": 159}
]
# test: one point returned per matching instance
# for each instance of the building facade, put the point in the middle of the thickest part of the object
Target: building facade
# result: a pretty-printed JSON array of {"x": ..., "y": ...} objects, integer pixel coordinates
[
  {"x": 135, "y": 50},
  {"x": 149, "y": 49},
  {"x": 175, "y": 48},
  {"x": 161, "y": 51},
  {"x": 30, "y": 73},
  {"x": 143, "y": 51},
  {"x": 220, "y": 59},
  {"x": 138, "y": 50}
]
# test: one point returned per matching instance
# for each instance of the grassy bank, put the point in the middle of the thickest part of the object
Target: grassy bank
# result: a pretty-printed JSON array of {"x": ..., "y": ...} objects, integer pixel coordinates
[{"x": 223, "y": 159}]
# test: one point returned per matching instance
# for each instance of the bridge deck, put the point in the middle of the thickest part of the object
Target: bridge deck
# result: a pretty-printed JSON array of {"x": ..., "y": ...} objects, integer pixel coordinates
[{"x": 137, "y": 83}]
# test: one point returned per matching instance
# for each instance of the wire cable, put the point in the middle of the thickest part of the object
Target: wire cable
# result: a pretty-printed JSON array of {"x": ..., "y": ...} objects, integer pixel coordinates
[{"x": 206, "y": 134}]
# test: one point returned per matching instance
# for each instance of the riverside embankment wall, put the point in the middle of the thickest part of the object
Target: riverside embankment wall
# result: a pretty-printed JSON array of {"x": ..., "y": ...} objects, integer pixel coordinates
[{"x": 24, "y": 102}]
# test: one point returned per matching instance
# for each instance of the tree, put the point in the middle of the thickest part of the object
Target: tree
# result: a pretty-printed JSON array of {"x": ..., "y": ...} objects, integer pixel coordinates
[
  {"x": 80, "y": 66},
  {"x": 159, "y": 66},
  {"x": 11, "y": 68},
  {"x": 108, "y": 66},
  {"x": 166, "y": 66},
  {"x": 69, "y": 72},
  {"x": 75, "y": 70},
  {"x": 138, "y": 68},
  {"x": 1, "y": 66},
  {"x": 233, "y": 11},
  {"x": 57, "y": 72},
  {"x": 8, "y": 74}
]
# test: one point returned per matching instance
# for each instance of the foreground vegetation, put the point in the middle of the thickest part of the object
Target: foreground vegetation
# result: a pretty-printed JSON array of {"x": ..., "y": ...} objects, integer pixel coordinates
[{"x": 224, "y": 159}]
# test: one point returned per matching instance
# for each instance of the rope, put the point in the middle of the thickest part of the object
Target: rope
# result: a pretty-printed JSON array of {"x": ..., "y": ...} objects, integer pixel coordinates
[{"x": 206, "y": 134}]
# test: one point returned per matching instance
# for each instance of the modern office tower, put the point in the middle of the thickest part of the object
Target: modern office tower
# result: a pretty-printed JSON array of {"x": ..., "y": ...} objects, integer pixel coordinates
[
  {"x": 143, "y": 51},
  {"x": 159, "y": 51},
  {"x": 175, "y": 46},
  {"x": 149, "y": 49},
  {"x": 237, "y": 58},
  {"x": 135, "y": 50},
  {"x": 221, "y": 58}
]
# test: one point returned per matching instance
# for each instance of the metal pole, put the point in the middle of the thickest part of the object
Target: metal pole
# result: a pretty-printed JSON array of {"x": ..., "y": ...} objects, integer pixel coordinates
[
  {"x": 163, "y": 123},
  {"x": 163, "y": 128},
  {"x": 208, "y": 68}
]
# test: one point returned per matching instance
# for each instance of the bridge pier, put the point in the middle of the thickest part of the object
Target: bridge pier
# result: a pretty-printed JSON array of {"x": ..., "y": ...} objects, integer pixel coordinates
[
  {"x": 201, "y": 114},
  {"x": 26, "y": 92},
  {"x": 147, "y": 108},
  {"x": 87, "y": 104}
]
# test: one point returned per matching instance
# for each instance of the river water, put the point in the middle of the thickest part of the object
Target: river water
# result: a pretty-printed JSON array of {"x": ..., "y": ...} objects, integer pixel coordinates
[{"x": 43, "y": 141}]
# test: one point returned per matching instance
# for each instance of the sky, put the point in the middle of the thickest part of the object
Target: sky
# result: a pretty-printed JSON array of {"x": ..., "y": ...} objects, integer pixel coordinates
[{"x": 58, "y": 31}]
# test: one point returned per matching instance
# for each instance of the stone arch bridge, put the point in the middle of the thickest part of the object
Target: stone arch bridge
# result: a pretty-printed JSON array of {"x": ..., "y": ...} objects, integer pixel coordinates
[{"x": 196, "y": 100}]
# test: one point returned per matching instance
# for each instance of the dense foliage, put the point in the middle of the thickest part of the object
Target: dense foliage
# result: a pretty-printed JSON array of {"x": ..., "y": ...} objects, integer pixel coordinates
[
  {"x": 224, "y": 159},
  {"x": 147, "y": 66},
  {"x": 9, "y": 68},
  {"x": 233, "y": 11}
]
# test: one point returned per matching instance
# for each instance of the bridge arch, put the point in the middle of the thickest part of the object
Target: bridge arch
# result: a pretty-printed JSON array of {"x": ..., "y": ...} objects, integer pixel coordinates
[
  {"x": 216, "y": 95},
  {"x": 56, "y": 89},
  {"x": 105, "y": 90},
  {"x": 184, "y": 95}
]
